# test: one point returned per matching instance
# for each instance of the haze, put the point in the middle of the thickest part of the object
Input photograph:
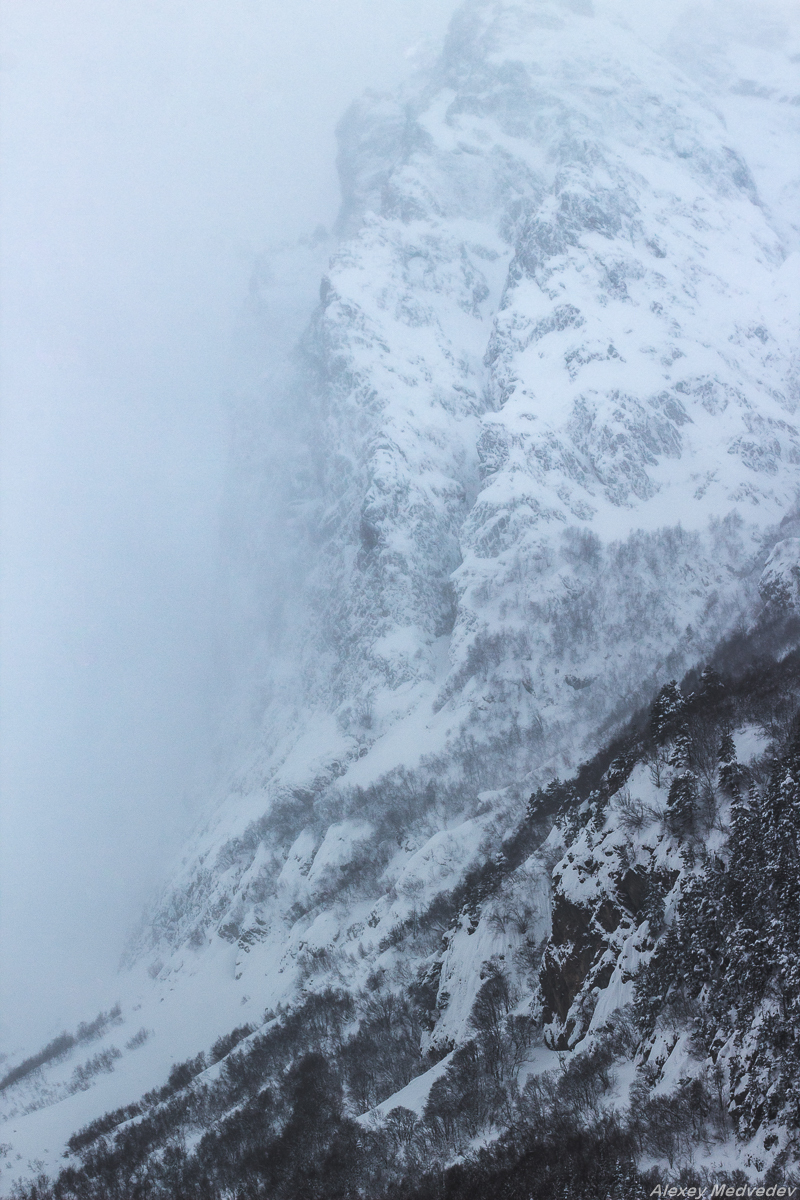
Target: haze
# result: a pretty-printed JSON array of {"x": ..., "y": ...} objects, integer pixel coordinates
[{"x": 150, "y": 153}]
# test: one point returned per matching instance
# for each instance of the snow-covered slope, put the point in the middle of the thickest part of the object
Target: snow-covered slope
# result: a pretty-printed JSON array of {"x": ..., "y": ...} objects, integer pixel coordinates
[
  {"x": 548, "y": 426},
  {"x": 540, "y": 444}
]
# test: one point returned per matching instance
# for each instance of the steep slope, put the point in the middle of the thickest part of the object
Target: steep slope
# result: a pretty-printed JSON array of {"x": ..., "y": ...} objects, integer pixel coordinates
[
  {"x": 536, "y": 454},
  {"x": 649, "y": 937},
  {"x": 548, "y": 435}
]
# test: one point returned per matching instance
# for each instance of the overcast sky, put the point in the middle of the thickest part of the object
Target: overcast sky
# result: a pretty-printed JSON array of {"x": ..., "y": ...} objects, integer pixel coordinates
[{"x": 150, "y": 151}]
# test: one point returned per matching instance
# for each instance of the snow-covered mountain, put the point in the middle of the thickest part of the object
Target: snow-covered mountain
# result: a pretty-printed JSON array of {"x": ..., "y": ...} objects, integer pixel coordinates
[{"x": 537, "y": 449}]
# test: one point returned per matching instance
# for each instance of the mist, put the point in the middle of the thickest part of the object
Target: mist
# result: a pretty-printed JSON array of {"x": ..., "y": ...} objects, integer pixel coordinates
[{"x": 150, "y": 153}]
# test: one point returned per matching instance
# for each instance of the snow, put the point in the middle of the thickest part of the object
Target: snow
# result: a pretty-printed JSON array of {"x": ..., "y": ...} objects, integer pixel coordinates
[
  {"x": 437, "y": 864},
  {"x": 413, "y": 1096},
  {"x": 539, "y": 470},
  {"x": 750, "y": 741},
  {"x": 298, "y": 862}
]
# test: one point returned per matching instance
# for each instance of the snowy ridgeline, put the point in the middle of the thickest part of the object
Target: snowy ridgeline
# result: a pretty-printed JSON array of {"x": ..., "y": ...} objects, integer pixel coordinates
[{"x": 533, "y": 457}]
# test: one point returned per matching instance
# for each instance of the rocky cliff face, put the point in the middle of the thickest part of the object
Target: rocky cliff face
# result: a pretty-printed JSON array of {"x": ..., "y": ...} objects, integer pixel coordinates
[
  {"x": 535, "y": 344},
  {"x": 540, "y": 447},
  {"x": 548, "y": 418}
]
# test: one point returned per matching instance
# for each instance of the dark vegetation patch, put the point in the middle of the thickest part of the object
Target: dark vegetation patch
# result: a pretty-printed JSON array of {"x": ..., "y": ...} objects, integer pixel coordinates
[{"x": 87, "y": 1031}]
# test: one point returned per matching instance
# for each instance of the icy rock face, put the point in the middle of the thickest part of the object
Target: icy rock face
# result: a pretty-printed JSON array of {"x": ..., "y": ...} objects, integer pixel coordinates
[
  {"x": 550, "y": 432},
  {"x": 779, "y": 584},
  {"x": 542, "y": 377}
]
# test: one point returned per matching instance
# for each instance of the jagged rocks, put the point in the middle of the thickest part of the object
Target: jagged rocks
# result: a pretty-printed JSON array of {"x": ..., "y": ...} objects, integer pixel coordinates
[
  {"x": 599, "y": 903},
  {"x": 544, "y": 430},
  {"x": 779, "y": 584},
  {"x": 544, "y": 435},
  {"x": 581, "y": 953},
  {"x": 576, "y": 946}
]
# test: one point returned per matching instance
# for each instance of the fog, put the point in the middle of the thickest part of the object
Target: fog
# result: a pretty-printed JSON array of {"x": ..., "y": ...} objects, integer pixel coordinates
[{"x": 150, "y": 153}]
